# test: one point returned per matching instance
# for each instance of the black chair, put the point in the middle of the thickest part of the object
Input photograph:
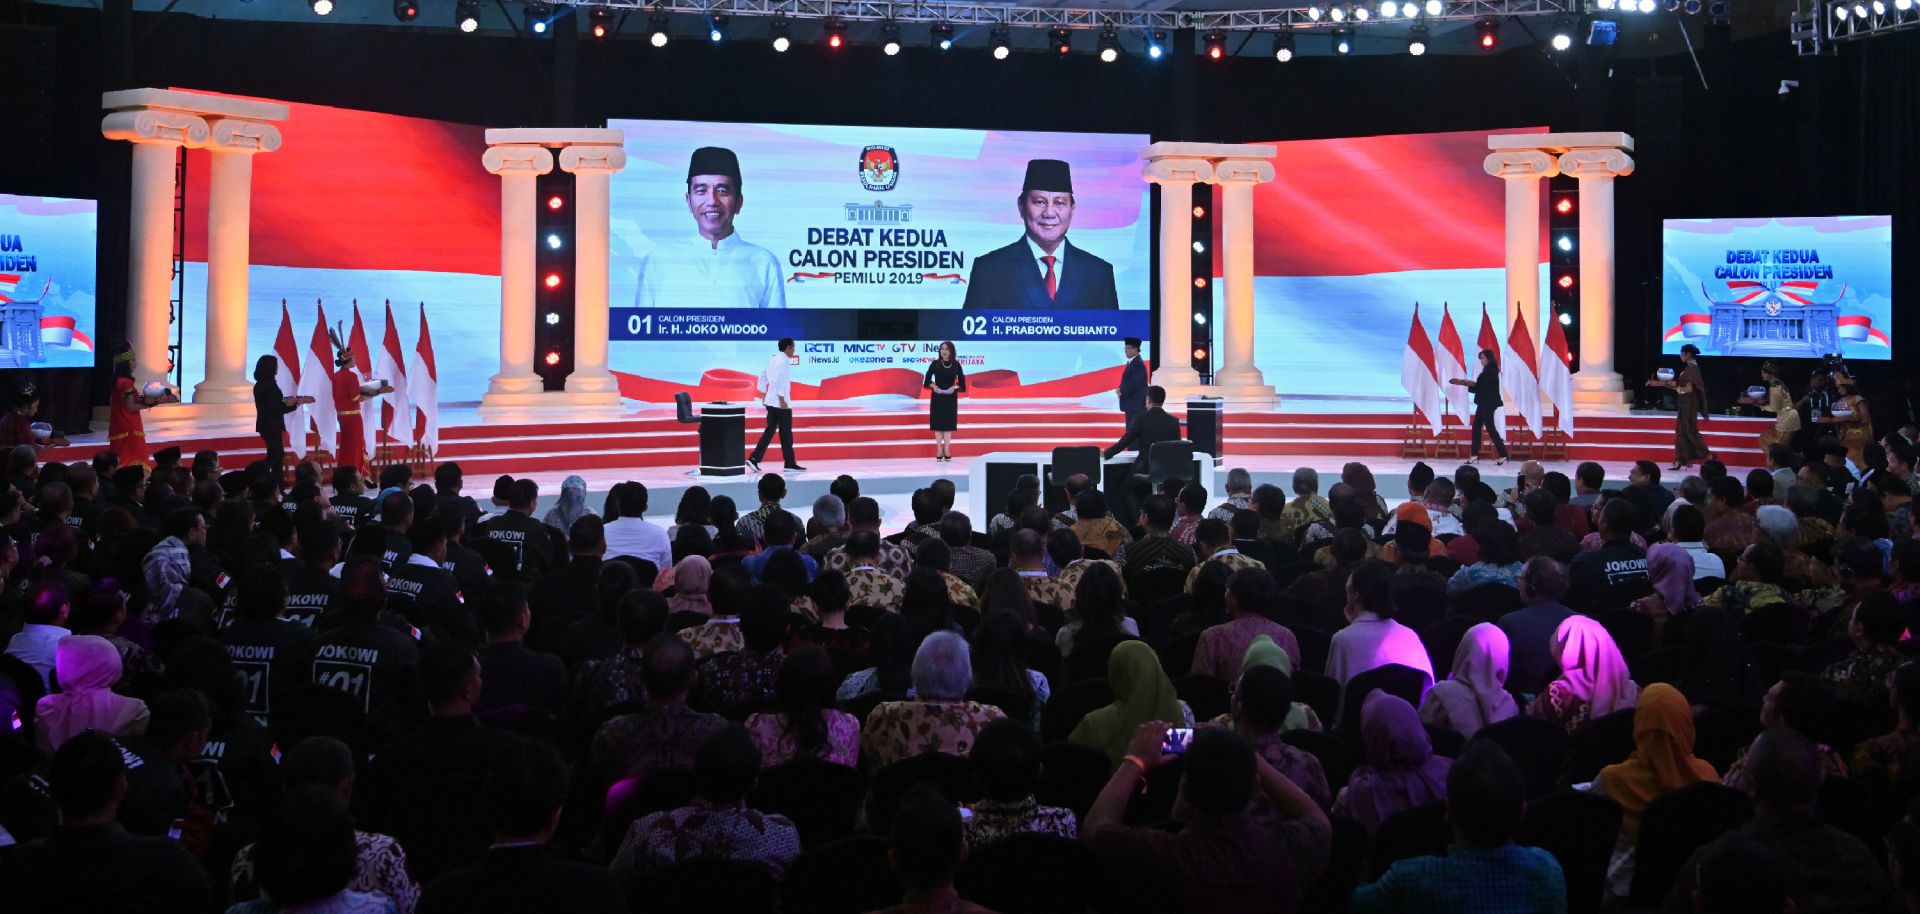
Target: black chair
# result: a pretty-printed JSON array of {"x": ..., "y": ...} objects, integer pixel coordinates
[
  {"x": 848, "y": 876},
  {"x": 952, "y": 774},
  {"x": 1676, "y": 824},
  {"x": 1346, "y": 865},
  {"x": 1156, "y": 621},
  {"x": 683, "y": 408},
  {"x": 1336, "y": 757},
  {"x": 1603, "y": 742},
  {"x": 1420, "y": 831},
  {"x": 1448, "y": 743},
  {"x": 707, "y": 885},
  {"x": 1536, "y": 745},
  {"x": 1632, "y": 633},
  {"x": 1721, "y": 733},
  {"x": 822, "y": 798},
  {"x": 1315, "y": 643},
  {"x": 1043, "y": 657},
  {"x": 1071, "y": 776},
  {"x": 1177, "y": 659},
  {"x": 1030, "y": 874},
  {"x": 1579, "y": 829},
  {"x": 1442, "y": 639},
  {"x": 1050, "y": 617},
  {"x": 1208, "y": 696},
  {"x": 443, "y": 823},
  {"x": 1155, "y": 584},
  {"x": 1419, "y": 606},
  {"x": 1488, "y": 602},
  {"x": 1394, "y": 679},
  {"x": 1319, "y": 692},
  {"x": 1068, "y": 705},
  {"x": 1011, "y": 703},
  {"x": 310, "y": 709},
  {"x": 1169, "y": 460},
  {"x": 1067, "y": 462}
]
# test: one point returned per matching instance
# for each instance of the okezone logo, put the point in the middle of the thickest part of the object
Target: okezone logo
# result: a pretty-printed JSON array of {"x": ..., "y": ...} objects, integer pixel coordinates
[{"x": 879, "y": 168}]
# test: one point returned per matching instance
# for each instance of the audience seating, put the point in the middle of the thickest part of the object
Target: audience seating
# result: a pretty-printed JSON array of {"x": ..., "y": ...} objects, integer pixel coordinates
[
  {"x": 1446, "y": 743},
  {"x": 1488, "y": 602},
  {"x": 1315, "y": 643},
  {"x": 704, "y": 886},
  {"x": 311, "y": 709},
  {"x": 952, "y": 774},
  {"x": 822, "y": 798},
  {"x": 1420, "y": 606},
  {"x": 1579, "y": 829},
  {"x": 1442, "y": 639},
  {"x": 1319, "y": 692},
  {"x": 1632, "y": 633},
  {"x": 1069, "y": 704},
  {"x": 848, "y": 876},
  {"x": 1030, "y": 874},
  {"x": 1602, "y": 742},
  {"x": 1402, "y": 681},
  {"x": 442, "y": 823},
  {"x": 1346, "y": 866},
  {"x": 1721, "y": 734},
  {"x": 1208, "y": 696},
  {"x": 862, "y": 705},
  {"x": 1177, "y": 660},
  {"x": 1011, "y": 703},
  {"x": 1156, "y": 584},
  {"x": 20, "y": 693},
  {"x": 1071, "y": 776},
  {"x": 1416, "y": 832},
  {"x": 1156, "y": 620},
  {"x": 1336, "y": 759},
  {"x": 1537, "y": 746},
  {"x": 1673, "y": 826}
]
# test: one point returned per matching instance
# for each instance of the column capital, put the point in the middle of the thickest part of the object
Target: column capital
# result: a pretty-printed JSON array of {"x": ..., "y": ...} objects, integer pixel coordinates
[
  {"x": 1176, "y": 171},
  {"x": 517, "y": 160},
  {"x": 235, "y": 135},
  {"x": 1531, "y": 164},
  {"x": 1242, "y": 171},
  {"x": 584, "y": 159},
  {"x": 157, "y": 126},
  {"x": 1596, "y": 163}
]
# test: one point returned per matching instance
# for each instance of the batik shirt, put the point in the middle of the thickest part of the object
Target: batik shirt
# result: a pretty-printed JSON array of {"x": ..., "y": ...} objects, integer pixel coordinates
[{"x": 897, "y": 730}]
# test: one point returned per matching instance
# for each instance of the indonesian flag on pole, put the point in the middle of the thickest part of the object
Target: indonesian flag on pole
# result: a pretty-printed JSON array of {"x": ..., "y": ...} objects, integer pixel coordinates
[
  {"x": 1556, "y": 376},
  {"x": 1520, "y": 373},
  {"x": 1451, "y": 362},
  {"x": 1489, "y": 341},
  {"x": 397, "y": 409},
  {"x": 316, "y": 381},
  {"x": 423, "y": 385},
  {"x": 363, "y": 365},
  {"x": 288, "y": 352},
  {"x": 1417, "y": 373}
]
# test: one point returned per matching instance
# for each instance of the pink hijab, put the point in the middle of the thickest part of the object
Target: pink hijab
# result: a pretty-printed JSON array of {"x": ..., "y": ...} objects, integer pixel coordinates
[
  {"x": 87, "y": 666},
  {"x": 1401, "y": 770},
  {"x": 1592, "y": 668},
  {"x": 689, "y": 582},
  {"x": 1671, "y": 569}
]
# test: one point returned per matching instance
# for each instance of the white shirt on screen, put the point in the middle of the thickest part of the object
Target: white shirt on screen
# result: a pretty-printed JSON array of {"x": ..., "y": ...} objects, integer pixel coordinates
[
  {"x": 640, "y": 538},
  {"x": 776, "y": 381},
  {"x": 1059, "y": 259},
  {"x": 697, "y": 273}
]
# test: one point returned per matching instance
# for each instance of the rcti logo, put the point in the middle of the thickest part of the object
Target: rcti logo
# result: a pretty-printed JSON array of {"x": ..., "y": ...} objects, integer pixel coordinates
[{"x": 879, "y": 168}]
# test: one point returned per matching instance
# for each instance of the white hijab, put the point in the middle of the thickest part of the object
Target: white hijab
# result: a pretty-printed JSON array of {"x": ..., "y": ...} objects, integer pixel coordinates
[{"x": 1475, "y": 694}]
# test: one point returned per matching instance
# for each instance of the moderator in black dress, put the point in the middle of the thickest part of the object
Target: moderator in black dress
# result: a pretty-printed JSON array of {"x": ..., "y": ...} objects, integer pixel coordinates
[{"x": 943, "y": 410}]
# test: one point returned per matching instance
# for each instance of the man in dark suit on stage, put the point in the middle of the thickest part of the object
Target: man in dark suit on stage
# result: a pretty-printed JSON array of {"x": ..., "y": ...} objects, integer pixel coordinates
[
  {"x": 1149, "y": 428},
  {"x": 1042, "y": 271},
  {"x": 1133, "y": 382}
]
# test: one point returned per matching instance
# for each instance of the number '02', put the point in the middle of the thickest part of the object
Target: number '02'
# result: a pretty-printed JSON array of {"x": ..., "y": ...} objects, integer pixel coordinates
[{"x": 973, "y": 326}]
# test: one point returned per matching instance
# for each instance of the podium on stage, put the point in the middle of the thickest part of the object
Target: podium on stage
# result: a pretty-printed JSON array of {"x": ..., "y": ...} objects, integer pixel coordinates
[
  {"x": 1206, "y": 426},
  {"x": 723, "y": 439}
]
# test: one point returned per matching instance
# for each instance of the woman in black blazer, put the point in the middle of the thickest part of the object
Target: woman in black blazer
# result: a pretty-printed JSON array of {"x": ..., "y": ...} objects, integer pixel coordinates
[
  {"x": 946, "y": 379},
  {"x": 1486, "y": 405},
  {"x": 270, "y": 408}
]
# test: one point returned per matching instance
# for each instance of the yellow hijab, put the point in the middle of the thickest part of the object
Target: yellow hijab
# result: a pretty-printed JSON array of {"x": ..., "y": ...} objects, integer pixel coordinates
[{"x": 1662, "y": 761}]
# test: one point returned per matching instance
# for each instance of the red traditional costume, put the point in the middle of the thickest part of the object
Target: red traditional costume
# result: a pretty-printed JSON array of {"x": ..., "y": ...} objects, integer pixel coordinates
[{"x": 126, "y": 431}]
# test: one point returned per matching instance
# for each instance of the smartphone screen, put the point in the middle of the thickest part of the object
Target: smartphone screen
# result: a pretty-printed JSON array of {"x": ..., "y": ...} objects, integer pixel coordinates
[
  {"x": 1177, "y": 741},
  {"x": 173, "y": 831}
]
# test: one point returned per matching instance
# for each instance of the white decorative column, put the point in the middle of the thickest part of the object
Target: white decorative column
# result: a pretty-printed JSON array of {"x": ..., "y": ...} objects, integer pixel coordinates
[
  {"x": 1522, "y": 172},
  {"x": 1176, "y": 174},
  {"x": 592, "y": 166},
  {"x": 229, "y": 224},
  {"x": 1596, "y": 385},
  {"x": 157, "y": 134},
  {"x": 1238, "y": 380},
  {"x": 516, "y": 384}
]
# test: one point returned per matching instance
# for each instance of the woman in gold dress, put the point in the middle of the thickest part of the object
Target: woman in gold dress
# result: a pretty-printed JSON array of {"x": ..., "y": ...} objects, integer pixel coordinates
[
  {"x": 1778, "y": 402},
  {"x": 1856, "y": 430}
]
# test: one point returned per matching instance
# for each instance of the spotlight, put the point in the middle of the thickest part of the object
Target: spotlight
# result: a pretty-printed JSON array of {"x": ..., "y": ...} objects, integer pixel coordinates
[
  {"x": 553, "y": 241},
  {"x": 1879, "y": 7},
  {"x": 782, "y": 34},
  {"x": 1199, "y": 247},
  {"x": 553, "y": 318},
  {"x": 600, "y": 22},
  {"x": 1200, "y": 317},
  {"x": 1565, "y": 243},
  {"x": 1199, "y": 353},
  {"x": 1565, "y": 281},
  {"x": 1060, "y": 40},
  {"x": 1360, "y": 14},
  {"x": 537, "y": 16},
  {"x": 1342, "y": 41},
  {"x": 836, "y": 32},
  {"x": 1566, "y": 318},
  {"x": 553, "y": 358},
  {"x": 1216, "y": 44},
  {"x": 717, "y": 27},
  {"x": 1199, "y": 212},
  {"x": 1859, "y": 9},
  {"x": 1488, "y": 28},
  {"x": 1282, "y": 51},
  {"x": 1417, "y": 40},
  {"x": 1564, "y": 206},
  {"x": 1389, "y": 9},
  {"x": 1156, "y": 44},
  {"x": 1434, "y": 7},
  {"x": 1001, "y": 42},
  {"x": 1840, "y": 11},
  {"x": 553, "y": 280},
  {"x": 1901, "y": 5},
  {"x": 1605, "y": 6},
  {"x": 466, "y": 15},
  {"x": 321, "y": 7},
  {"x": 1199, "y": 282},
  {"x": 1109, "y": 45},
  {"x": 1646, "y": 6},
  {"x": 1314, "y": 13},
  {"x": 406, "y": 10},
  {"x": 1408, "y": 10},
  {"x": 890, "y": 39},
  {"x": 1562, "y": 35},
  {"x": 556, "y": 201},
  {"x": 1337, "y": 14},
  {"x": 657, "y": 26},
  {"x": 942, "y": 35}
]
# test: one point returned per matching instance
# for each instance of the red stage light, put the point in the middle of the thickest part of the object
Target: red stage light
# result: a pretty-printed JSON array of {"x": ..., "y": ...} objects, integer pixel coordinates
[
  {"x": 553, "y": 280},
  {"x": 599, "y": 30},
  {"x": 1566, "y": 281},
  {"x": 553, "y": 358},
  {"x": 1564, "y": 207},
  {"x": 1199, "y": 282},
  {"x": 1199, "y": 212},
  {"x": 833, "y": 40},
  {"x": 556, "y": 201},
  {"x": 1214, "y": 53}
]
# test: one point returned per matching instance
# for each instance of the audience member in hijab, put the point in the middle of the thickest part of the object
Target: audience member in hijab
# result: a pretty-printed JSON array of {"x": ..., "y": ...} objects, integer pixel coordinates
[
  {"x": 86, "y": 667},
  {"x": 1401, "y": 770},
  {"x": 688, "y": 581},
  {"x": 572, "y": 505},
  {"x": 1141, "y": 693},
  {"x": 1593, "y": 681},
  {"x": 1671, "y": 569},
  {"x": 1264, "y": 652},
  {"x": 1662, "y": 762},
  {"x": 1475, "y": 694}
]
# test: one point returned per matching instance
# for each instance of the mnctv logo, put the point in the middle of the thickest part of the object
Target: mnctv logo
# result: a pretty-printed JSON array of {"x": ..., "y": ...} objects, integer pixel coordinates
[{"x": 879, "y": 168}]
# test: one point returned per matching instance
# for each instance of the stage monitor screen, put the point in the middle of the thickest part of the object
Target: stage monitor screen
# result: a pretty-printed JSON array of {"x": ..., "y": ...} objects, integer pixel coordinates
[
  {"x": 869, "y": 246},
  {"x": 1785, "y": 287},
  {"x": 47, "y": 281}
]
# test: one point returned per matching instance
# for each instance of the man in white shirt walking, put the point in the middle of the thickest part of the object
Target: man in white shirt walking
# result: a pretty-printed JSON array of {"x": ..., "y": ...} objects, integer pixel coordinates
[{"x": 776, "y": 391}]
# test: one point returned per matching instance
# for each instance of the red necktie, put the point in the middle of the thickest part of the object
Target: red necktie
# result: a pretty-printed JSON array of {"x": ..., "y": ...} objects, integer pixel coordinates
[{"x": 1051, "y": 281}]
